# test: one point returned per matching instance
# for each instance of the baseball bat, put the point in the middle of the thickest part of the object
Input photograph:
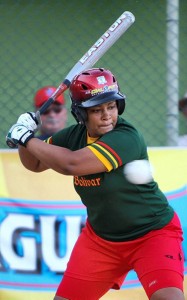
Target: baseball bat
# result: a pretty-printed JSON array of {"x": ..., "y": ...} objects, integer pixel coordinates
[
  {"x": 93, "y": 54},
  {"x": 89, "y": 59}
]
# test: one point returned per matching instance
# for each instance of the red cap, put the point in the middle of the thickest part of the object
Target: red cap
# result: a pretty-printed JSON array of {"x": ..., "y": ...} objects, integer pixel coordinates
[{"x": 43, "y": 94}]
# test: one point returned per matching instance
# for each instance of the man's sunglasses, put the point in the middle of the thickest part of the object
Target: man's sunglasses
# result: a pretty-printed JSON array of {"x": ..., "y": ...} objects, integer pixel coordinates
[{"x": 56, "y": 110}]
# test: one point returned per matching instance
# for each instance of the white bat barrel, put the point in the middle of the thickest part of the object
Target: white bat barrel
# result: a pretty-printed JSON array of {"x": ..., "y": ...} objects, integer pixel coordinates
[{"x": 102, "y": 44}]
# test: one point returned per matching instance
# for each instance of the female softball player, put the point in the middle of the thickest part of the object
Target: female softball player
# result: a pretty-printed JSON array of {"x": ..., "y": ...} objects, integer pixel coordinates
[{"x": 129, "y": 226}]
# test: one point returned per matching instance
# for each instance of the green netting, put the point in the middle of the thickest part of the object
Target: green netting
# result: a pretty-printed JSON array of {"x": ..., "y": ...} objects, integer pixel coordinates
[{"x": 41, "y": 40}]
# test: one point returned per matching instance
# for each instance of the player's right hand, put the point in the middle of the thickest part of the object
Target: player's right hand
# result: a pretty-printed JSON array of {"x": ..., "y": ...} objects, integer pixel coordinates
[
  {"x": 30, "y": 120},
  {"x": 18, "y": 134}
]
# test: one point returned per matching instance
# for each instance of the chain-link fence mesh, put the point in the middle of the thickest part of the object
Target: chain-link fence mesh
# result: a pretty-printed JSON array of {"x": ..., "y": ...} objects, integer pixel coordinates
[{"x": 42, "y": 39}]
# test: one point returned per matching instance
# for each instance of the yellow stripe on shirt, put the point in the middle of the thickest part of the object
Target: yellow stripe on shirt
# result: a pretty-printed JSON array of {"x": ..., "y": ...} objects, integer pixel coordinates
[
  {"x": 108, "y": 154},
  {"x": 102, "y": 158}
]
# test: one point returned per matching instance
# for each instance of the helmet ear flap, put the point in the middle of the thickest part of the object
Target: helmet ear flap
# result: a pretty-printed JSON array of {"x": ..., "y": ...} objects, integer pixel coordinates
[
  {"x": 79, "y": 114},
  {"x": 121, "y": 106}
]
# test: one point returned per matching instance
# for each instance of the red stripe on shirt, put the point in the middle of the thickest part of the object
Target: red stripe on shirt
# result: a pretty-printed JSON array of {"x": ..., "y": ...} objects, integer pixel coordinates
[{"x": 112, "y": 151}]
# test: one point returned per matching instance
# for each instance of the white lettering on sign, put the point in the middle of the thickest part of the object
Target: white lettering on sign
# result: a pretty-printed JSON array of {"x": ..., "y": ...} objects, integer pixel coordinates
[
  {"x": 55, "y": 263},
  {"x": 7, "y": 230},
  {"x": 26, "y": 239}
]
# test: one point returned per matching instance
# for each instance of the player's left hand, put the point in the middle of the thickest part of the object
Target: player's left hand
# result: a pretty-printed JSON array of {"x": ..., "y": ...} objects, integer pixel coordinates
[{"x": 30, "y": 120}]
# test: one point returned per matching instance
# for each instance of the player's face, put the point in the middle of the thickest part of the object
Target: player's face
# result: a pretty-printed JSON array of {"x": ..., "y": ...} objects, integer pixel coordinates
[
  {"x": 54, "y": 119},
  {"x": 102, "y": 118}
]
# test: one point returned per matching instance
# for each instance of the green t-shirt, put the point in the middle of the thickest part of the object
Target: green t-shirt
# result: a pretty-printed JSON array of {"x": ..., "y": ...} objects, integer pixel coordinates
[{"x": 117, "y": 210}]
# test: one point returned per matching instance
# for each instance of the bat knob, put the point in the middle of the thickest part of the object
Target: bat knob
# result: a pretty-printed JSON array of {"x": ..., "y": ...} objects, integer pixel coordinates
[{"x": 10, "y": 143}]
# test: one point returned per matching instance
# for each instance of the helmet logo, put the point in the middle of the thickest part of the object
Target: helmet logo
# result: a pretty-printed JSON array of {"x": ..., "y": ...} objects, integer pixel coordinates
[
  {"x": 106, "y": 88},
  {"x": 101, "y": 80}
]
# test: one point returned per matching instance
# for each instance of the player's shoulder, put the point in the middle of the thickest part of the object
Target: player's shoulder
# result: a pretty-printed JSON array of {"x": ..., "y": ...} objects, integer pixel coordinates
[
  {"x": 129, "y": 132},
  {"x": 124, "y": 125},
  {"x": 66, "y": 135}
]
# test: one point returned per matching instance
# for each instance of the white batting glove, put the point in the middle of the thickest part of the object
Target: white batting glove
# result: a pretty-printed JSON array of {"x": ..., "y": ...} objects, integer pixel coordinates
[
  {"x": 18, "y": 134},
  {"x": 30, "y": 120}
]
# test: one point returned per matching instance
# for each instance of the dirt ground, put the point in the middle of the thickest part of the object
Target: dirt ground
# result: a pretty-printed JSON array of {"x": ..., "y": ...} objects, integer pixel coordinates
[{"x": 133, "y": 294}]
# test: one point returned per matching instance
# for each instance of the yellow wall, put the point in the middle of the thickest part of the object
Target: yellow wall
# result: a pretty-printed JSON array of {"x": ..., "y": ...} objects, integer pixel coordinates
[
  {"x": 17, "y": 182},
  {"x": 170, "y": 170},
  {"x": 170, "y": 166}
]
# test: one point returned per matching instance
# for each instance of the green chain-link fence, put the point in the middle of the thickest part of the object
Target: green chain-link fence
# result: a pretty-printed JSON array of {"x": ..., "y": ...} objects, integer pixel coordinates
[{"x": 41, "y": 40}]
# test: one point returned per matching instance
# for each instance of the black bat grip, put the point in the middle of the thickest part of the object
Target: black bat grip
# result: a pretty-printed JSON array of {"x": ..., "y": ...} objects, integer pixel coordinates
[
  {"x": 64, "y": 86},
  {"x": 45, "y": 106}
]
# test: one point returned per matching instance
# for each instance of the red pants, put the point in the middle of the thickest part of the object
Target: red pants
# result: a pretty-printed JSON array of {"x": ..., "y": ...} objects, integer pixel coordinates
[{"x": 97, "y": 265}]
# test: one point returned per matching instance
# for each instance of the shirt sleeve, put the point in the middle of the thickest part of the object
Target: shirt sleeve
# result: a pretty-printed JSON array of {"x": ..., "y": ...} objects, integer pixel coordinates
[
  {"x": 119, "y": 147},
  {"x": 102, "y": 158},
  {"x": 111, "y": 158}
]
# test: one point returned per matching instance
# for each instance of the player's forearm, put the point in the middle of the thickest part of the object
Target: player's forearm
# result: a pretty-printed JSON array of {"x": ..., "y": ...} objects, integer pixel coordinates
[
  {"x": 45, "y": 156},
  {"x": 63, "y": 160},
  {"x": 29, "y": 161}
]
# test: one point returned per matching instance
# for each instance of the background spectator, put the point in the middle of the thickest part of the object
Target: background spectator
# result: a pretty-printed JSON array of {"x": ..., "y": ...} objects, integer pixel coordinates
[
  {"x": 183, "y": 110},
  {"x": 55, "y": 117}
]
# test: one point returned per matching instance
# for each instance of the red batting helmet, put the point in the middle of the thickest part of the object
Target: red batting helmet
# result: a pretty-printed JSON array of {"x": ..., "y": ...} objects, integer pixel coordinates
[
  {"x": 91, "y": 88},
  {"x": 43, "y": 94}
]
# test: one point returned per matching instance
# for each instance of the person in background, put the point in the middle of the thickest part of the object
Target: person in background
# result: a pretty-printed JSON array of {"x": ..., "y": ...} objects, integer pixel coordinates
[
  {"x": 183, "y": 109},
  {"x": 55, "y": 117}
]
